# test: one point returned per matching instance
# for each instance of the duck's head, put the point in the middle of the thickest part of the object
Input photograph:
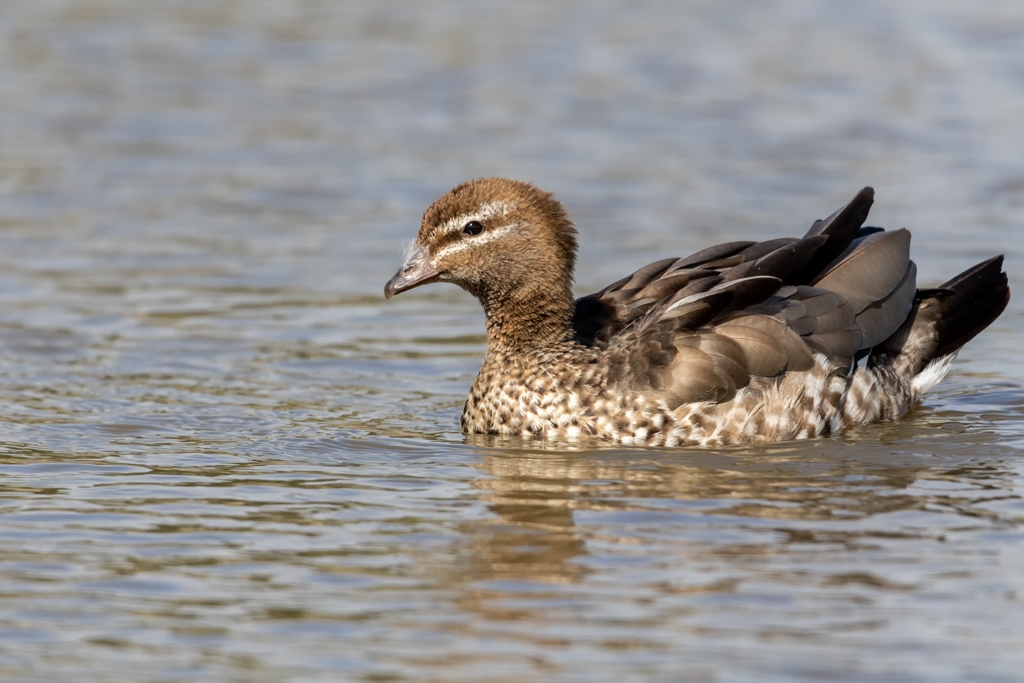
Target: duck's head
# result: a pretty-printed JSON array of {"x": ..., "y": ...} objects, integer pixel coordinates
[{"x": 498, "y": 239}]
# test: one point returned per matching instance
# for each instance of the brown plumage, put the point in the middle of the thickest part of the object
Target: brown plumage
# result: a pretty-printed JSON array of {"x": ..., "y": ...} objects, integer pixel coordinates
[{"x": 741, "y": 342}]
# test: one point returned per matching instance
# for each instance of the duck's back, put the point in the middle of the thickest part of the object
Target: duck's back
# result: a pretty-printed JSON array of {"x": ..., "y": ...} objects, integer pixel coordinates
[{"x": 784, "y": 339}]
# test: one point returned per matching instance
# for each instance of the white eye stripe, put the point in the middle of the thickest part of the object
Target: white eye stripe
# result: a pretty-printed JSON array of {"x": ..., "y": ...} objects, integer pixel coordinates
[
  {"x": 408, "y": 249},
  {"x": 488, "y": 210},
  {"x": 473, "y": 242}
]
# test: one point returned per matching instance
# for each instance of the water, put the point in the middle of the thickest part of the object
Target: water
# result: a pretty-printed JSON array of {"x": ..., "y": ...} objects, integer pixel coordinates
[{"x": 225, "y": 457}]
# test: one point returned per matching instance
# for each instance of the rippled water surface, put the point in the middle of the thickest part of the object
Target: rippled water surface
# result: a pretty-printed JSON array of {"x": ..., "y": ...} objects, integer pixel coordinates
[{"x": 224, "y": 457}]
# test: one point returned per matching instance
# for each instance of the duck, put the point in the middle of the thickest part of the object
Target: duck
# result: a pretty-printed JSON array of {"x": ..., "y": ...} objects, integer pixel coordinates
[{"x": 742, "y": 342}]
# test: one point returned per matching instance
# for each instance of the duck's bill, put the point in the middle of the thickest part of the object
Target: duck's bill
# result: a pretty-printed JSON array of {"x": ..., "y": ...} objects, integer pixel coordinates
[{"x": 416, "y": 271}]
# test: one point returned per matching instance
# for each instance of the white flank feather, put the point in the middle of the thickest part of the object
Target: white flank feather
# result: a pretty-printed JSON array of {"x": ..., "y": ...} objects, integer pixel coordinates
[{"x": 933, "y": 373}]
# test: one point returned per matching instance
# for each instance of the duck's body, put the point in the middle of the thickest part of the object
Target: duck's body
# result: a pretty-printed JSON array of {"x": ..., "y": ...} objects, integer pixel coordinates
[{"x": 742, "y": 342}]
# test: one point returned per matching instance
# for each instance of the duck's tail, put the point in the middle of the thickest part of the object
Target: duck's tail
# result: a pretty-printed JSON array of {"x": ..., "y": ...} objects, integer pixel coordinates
[
  {"x": 919, "y": 354},
  {"x": 966, "y": 305},
  {"x": 946, "y": 318}
]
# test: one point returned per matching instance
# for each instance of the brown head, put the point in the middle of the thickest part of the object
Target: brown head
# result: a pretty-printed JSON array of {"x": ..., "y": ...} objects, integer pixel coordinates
[{"x": 507, "y": 242}]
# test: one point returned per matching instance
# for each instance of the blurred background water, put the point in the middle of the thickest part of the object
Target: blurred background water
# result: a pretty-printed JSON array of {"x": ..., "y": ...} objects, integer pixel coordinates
[{"x": 224, "y": 457}]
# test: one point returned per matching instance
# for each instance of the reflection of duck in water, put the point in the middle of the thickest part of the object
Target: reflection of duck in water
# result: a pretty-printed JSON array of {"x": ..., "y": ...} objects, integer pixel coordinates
[
  {"x": 741, "y": 342},
  {"x": 549, "y": 506}
]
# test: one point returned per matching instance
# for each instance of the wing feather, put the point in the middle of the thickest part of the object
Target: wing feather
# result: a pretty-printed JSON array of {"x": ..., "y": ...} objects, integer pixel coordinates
[{"x": 701, "y": 327}]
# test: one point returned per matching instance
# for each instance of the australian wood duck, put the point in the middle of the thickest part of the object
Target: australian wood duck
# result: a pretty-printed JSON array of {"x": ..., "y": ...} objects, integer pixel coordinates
[{"x": 741, "y": 342}]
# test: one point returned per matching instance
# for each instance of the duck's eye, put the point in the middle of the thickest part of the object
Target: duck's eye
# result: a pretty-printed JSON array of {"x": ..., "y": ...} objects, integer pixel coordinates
[{"x": 472, "y": 228}]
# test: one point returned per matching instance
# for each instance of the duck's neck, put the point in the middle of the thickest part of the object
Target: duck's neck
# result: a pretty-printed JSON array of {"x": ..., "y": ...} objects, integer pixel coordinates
[{"x": 528, "y": 318}]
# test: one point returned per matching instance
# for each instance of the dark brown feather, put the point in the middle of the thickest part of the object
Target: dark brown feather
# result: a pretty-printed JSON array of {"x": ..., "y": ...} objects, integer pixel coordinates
[
  {"x": 881, "y": 318},
  {"x": 712, "y": 253},
  {"x": 841, "y": 228},
  {"x": 869, "y": 269},
  {"x": 980, "y": 295}
]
